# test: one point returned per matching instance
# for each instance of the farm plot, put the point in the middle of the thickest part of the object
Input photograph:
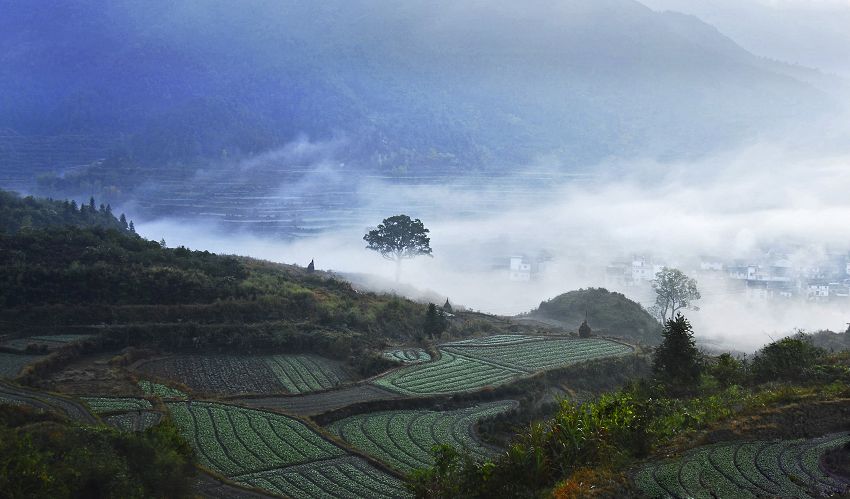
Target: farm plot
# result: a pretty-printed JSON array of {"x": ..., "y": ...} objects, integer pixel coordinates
[
  {"x": 343, "y": 477},
  {"x": 52, "y": 342},
  {"x": 103, "y": 405},
  {"x": 404, "y": 439},
  {"x": 232, "y": 374},
  {"x": 474, "y": 364},
  {"x": 273, "y": 452},
  {"x": 310, "y": 404},
  {"x": 779, "y": 468},
  {"x": 451, "y": 373},
  {"x": 160, "y": 390},
  {"x": 408, "y": 355},
  {"x": 12, "y": 363},
  {"x": 530, "y": 353},
  {"x": 134, "y": 421},
  {"x": 24, "y": 396}
]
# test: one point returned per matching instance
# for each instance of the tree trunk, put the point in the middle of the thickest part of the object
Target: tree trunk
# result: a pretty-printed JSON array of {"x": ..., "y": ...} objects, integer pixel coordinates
[{"x": 397, "y": 269}]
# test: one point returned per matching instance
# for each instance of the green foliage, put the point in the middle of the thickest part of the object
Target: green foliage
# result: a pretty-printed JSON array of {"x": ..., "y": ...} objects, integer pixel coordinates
[
  {"x": 677, "y": 361},
  {"x": 63, "y": 460},
  {"x": 789, "y": 359},
  {"x": 609, "y": 313},
  {"x": 673, "y": 291},
  {"x": 727, "y": 370},
  {"x": 398, "y": 238},
  {"x": 29, "y": 213},
  {"x": 435, "y": 322}
]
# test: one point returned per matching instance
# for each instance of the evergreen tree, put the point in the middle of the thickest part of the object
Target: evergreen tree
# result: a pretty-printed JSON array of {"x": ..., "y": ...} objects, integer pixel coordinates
[
  {"x": 123, "y": 220},
  {"x": 677, "y": 361},
  {"x": 92, "y": 204},
  {"x": 132, "y": 227},
  {"x": 435, "y": 322}
]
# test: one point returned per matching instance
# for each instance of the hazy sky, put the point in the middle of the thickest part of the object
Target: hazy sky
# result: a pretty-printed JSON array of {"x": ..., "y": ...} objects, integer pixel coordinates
[{"x": 813, "y": 33}]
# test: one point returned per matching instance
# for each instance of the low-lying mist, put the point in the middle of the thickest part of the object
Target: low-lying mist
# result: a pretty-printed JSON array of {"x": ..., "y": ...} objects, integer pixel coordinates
[{"x": 762, "y": 199}]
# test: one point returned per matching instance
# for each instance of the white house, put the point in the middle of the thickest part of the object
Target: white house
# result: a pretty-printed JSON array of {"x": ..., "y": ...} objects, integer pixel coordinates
[{"x": 520, "y": 270}]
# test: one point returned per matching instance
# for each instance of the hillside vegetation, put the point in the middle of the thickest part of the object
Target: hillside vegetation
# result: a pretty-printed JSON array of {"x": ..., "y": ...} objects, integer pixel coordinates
[{"x": 608, "y": 313}]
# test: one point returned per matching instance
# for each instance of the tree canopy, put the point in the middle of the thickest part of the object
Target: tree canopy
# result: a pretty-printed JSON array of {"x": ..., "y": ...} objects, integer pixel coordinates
[
  {"x": 399, "y": 238},
  {"x": 677, "y": 360},
  {"x": 674, "y": 291}
]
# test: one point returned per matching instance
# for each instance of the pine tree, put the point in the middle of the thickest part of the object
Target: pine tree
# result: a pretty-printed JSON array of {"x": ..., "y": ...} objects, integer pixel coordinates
[
  {"x": 92, "y": 204},
  {"x": 132, "y": 227},
  {"x": 123, "y": 220},
  {"x": 435, "y": 322},
  {"x": 677, "y": 361}
]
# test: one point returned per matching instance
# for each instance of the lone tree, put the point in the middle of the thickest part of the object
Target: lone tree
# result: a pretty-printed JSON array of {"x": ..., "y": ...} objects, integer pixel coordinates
[
  {"x": 584, "y": 330},
  {"x": 398, "y": 238},
  {"x": 677, "y": 361},
  {"x": 674, "y": 291}
]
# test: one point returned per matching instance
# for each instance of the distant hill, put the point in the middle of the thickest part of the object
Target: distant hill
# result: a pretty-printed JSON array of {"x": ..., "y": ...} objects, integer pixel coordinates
[
  {"x": 159, "y": 94},
  {"x": 608, "y": 313}
]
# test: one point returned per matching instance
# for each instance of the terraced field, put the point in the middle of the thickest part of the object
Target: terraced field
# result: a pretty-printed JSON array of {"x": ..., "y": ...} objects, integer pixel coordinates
[
  {"x": 133, "y": 421},
  {"x": 277, "y": 453},
  {"x": 474, "y": 364},
  {"x": 232, "y": 374},
  {"x": 404, "y": 439},
  {"x": 12, "y": 363},
  {"x": 14, "y": 394},
  {"x": 779, "y": 468},
  {"x": 408, "y": 355},
  {"x": 160, "y": 390},
  {"x": 310, "y": 404},
  {"x": 103, "y": 405}
]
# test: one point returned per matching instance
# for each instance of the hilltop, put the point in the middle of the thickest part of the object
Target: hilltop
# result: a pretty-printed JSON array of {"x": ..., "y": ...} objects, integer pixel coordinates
[{"x": 607, "y": 312}]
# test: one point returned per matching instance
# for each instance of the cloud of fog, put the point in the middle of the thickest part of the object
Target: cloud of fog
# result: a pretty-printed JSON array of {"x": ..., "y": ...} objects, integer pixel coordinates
[{"x": 734, "y": 206}]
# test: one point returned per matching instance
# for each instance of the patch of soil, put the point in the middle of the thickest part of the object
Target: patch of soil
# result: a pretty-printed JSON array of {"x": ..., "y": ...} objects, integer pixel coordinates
[
  {"x": 837, "y": 462},
  {"x": 92, "y": 375},
  {"x": 800, "y": 420}
]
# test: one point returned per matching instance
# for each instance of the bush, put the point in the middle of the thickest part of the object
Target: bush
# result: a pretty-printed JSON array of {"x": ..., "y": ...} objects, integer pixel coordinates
[{"x": 789, "y": 359}]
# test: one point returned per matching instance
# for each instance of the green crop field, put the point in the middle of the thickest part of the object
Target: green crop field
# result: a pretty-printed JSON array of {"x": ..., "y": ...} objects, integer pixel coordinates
[
  {"x": 780, "y": 468},
  {"x": 233, "y": 374},
  {"x": 451, "y": 373},
  {"x": 474, "y": 364},
  {"x": 530, "y": 353},
  {"x": 404, "y": 439},
  {"x": 160, "y": 390},
  {"x": 133, "y": 421},
  {"x": 102, "y": 405},
  {"x": 275, "y": 452},
  {"x": 408, "y": 355}
]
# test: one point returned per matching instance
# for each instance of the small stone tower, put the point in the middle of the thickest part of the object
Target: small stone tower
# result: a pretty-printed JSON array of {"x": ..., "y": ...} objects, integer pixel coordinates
[{"x": 312, "y": 267}]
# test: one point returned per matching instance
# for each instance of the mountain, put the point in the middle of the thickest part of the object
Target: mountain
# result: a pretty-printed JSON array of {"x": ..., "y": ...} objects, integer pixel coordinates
[
  {"x": 607, "y": 313},
  {"x": 128, "y": 100}
]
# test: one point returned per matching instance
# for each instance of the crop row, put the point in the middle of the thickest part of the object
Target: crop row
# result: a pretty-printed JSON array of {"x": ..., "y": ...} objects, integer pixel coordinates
[
  {"x": 233, "y": 374},
  {"x": 134, "y": 421},
  {"x": 408, "y": 355},
  {"x": 451, "y": 373},
  {"x": 404, "y": 439},
  {"x": 496, "y": 339},
  {"x": 160, "y": 390},
  {"x": 305, "y": 373},
  {"x": 234, "y": 440},
  {"x": 100, "y": 405},
  {"x": 545, "y": 354},
  {"x": 778, "y": 468},
  {"x": 343, "y": 477},
  {"x": 227, "y": 374}
]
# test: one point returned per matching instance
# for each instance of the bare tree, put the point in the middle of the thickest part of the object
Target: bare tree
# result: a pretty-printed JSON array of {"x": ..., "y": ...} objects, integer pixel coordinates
[
  {"x": 398, "y": 238},
  {"x": 674, "y": 291}
]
